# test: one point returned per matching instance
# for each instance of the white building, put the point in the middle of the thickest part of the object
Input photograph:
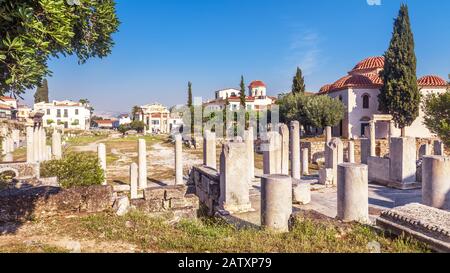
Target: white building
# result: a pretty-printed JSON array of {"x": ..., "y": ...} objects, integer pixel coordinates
[
  {"x": 66, "y": 114},
  {"x": 156, "y": 118},
  {"x": 256, "y": 100},
  {"x": 8, "y": 108},
  {"x": 359, "y": 92},
  {"x": 124, "y": 119}
]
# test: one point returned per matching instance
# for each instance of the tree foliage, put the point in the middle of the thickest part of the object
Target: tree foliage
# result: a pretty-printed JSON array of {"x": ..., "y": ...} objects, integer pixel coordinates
[
  {"x": 190, "y": 101},
  {"x": 242, "y": 93},
  {"x": 75, "y": 169},
  {"x": 400, "y": 94},
  {"x": 298, "y": 85},
  {"x": 41, "y": 94},
  {"x": 33, "y": 31},
  {"x": 316, "y": 111},
  {"x": 437, "y": 115}
]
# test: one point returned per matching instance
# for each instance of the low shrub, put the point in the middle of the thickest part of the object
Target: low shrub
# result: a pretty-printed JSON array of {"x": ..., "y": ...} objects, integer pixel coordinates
[{"x": 75, "y": 169}]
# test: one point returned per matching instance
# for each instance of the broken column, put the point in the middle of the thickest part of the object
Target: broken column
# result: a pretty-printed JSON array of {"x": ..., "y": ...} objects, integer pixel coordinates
[
  {"x": 439, "y": 148},
  {"x": 436, "y": 182},
  {"x": 56, "y": 145},
  {"x": 335, "y": 156},
  {"x": 365, "y": 150},
  {"x": 295, "y": 149},
  {"x": 209, "y": 150},
  {"x": 36, "y": 145},
  {"x": 301, "y": 192},
  {"x": 142, "y": 153},
  {"x": 101, "y": 151},
  {"x": 284, "y": 132},
  {"x": 16, "y": 138},
  {"x": 272, "y": 153},
  {"x": 134, "y": 180},
  {"x": 48, "y": 155},
  {"x": 30, "y": 152},
  {"x": 234, "y": 178},
  {"x": 178, "y": 160},
  {"x": 43, "y": 144},
  {"x": 403, "y": 166},
  {"x": 353, "y": 192},
  {"x": 373, "y": 140},
  {"x": 351, "y": 152},
  {"x": 276, "y": 202},
  {"x": 249, "y": 141},
  {"x": 305, "y": 161}
]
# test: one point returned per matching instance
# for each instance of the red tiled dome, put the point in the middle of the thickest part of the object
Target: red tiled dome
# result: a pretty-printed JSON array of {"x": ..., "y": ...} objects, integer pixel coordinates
[
  {"x": 255, "y": 84},
  {"x": 370, "y": 63},
  {"x": 357, "y": 81},
  {"x": 431, "y": 80}
]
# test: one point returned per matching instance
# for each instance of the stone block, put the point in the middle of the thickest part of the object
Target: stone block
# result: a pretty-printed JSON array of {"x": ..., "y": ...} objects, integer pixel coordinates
[
  {"x": 301, "y": 192},
  {"x": 326, "y": 177}
]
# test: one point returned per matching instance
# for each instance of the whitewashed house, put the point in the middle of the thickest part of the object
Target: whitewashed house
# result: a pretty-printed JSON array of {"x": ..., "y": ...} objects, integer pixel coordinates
[
  {"x": 66, "y": 114},
  {"x": 256, "y": 100},
  {"x": 359, "y": 91}
]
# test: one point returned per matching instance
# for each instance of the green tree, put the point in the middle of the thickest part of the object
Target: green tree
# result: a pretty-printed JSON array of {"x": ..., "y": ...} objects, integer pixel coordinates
[
  {"x": 400, "y": 94},
  {"x": 138, "y": 126},
  {"x": 123, "y": 128},
  {"x": 242, "y": 94},
  {"x": 134, "y": 112},
  {"x": 190, "y": 101},
  {"x": 293, "y": 107},
  {"x": 298, "y": 85},
  {"x": 323, "y": 111},
  {"x": 32, "y": 31},
  {"x": 437, "y": 115},
  {"x": 41, "y": 94}
]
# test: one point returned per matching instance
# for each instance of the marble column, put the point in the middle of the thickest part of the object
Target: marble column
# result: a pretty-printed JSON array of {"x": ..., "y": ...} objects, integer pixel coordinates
[
  {"x": 373, "y": 140},
  {"x": 353, "y": 193},
  {"x": 56, "y": 145},
  {"x": 351, "y": 151},
  {"x": 249, "y": 142},
  {"x": 272, "y": 153},
  {"x": 276, "y": 202},
  {"x": 134, "y": 180},
  {"x": 178, "y": 160},
  {"x": 142, "y": 164},
  {"x": 436, "y": 182},
  {"x": 101, "y": 150},
  {"x": 30, "y": 152},
  {"x": 295, "y": 149},
  {"x": 284, "y": 132},
  {"x": 305, "y": 161},
  {"x": 209, "y": 150}
]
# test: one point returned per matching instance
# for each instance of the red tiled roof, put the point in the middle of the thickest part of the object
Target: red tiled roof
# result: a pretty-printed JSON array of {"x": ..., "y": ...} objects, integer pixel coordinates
[
  {"x": 325, "y": 88},
  {"x": 431, "y": 80},
  {"x": 5, "y": 107},
  {"x": 255, "y": 84},
  {"x": 370, "y": 63}
]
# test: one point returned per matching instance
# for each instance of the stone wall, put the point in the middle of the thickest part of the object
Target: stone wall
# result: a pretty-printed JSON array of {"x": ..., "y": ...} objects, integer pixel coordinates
[
  {"x": 206, "y": 184},
  {"x": 40, "y": 202},
  {"x": 174, "y": 201},
  {"x": 23, "y": 170}
]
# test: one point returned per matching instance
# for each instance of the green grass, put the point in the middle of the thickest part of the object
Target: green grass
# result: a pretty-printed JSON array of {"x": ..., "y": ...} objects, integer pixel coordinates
[
  {"x": 149, "y": 139},
  {"x": 23, "y": 248},
  {"x": 83, "y": 140},
  {"x": 207, "y": 235}
]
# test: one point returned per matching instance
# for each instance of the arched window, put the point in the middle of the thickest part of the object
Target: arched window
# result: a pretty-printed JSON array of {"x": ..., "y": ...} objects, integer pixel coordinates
[{"x": 366, "y": 101}]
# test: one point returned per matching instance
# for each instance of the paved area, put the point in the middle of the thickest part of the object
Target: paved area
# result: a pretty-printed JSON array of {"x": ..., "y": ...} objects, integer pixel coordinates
[{"x": 324, "y": 201}]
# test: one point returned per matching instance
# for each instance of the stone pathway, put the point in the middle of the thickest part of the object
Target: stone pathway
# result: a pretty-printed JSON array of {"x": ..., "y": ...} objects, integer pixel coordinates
[{"x": 324, "y": 201}]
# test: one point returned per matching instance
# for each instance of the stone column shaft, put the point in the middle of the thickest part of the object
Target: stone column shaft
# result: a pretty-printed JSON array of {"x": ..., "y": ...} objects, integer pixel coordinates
[
  {"x": 436, "y": 182},
  {"x": 284, "y": 132},
  {"x": 134, "y": 180},
  {"x": 142, "y": 151},
  {"x": 101, "y": 151},
  {"x": 353, "y": 192},
  {"x": 305, "y": 161},
  {"x": 249, "y": 141},
  {"x": 276, "y": 202},
  {"x": 351, "y": 151},
  {"x": 178, "y": 160},
  {"x": 209, "y": 150},
  {"x": 295, "y": 150}
]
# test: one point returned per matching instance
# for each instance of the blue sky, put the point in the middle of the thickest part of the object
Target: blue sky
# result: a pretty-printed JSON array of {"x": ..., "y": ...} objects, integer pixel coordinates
[{"x": 163, "y": 44}]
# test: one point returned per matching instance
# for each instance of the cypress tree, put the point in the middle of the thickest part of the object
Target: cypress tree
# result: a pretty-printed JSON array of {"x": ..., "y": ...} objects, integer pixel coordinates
[
  {"x": 41, "y": 94},
  {"x": 298, "y": 85},
  {"x": 190, "y": 102},
  {"x": 242, "y": 94},
  {"x": 400, "y": 94}
]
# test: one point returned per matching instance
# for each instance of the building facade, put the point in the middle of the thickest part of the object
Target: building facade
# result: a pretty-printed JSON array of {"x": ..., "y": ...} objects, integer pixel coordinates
[
  {"x": 359, "y": 92},
  {"x": 256, "y": 100},
  {"x": 65, "y": 114},
  {"x": 156, "y": 118}
]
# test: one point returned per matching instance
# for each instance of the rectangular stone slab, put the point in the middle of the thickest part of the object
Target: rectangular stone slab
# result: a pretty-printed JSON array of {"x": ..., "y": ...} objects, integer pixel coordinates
[{"x": 426, "y": 224}]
